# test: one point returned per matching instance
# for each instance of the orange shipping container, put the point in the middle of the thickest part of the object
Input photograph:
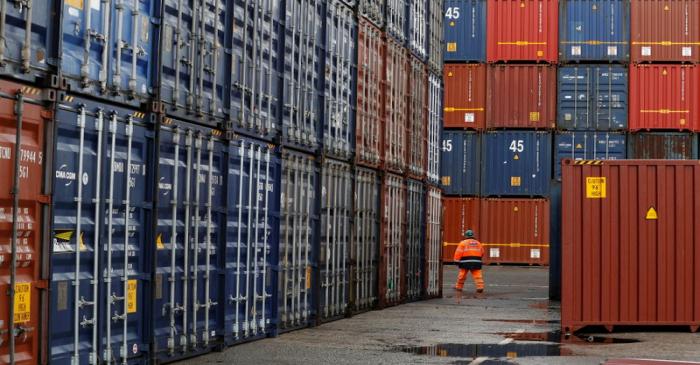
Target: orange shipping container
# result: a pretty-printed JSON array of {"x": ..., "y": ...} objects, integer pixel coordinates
[
  {"x": 459, "y": 215},
  {"x": 465, "y": 96}
]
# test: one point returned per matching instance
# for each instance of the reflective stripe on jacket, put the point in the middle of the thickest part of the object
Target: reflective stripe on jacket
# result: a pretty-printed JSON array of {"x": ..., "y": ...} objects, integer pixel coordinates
[{"x": 469, "y": 250}]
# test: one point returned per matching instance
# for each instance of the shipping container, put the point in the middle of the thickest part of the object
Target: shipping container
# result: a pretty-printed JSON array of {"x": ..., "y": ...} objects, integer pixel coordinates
[
  {"x": 340, "y": 81},
  {"x": 396, "y": 24},
  {"x": 515, "y": 231},
  {"x": 458, "y": 216},
  {"x": 415, "y": 240},
  {"x": 373, "y": 11},
  {"x": 555, "y": 241},
  {"x": 395, "y": 99},
  {"x": 522, "y": 30},
  {"x": 26, "y": 120},
  {"x": 631, "y": 252},
  {"x": 594, "y": 30},
  {"x": 369, "y": 129},
  {"x": 102, "y": 237},
  {"x": 418, "y": 23},
  {"x": 460, "y": 165},
  {"x": 392, "y": 270},
  {"x": 434, "y": 127},
  {"x": 435, "y": 36},
  {"x": 417, "y": 122},
  {"x": 364, "y": 249},
  {"x": 465, "y": 30},
  {"x": 516, "y": 163},
  {"x": 663, "y": 146},
  {"x": 303, "y": 74},
  {"x": 664, "y": 97},
  {"x": 298, "y": 251},
  {"x": 190, "y": 237},
  {"x": 521, "y": 96},
  {"x": 588, "y": 146},
  {"x": 665, "y": 31},
  {"x": 107, "y": 48},
  {"x": 465, "y": 96},
  {"x": 256, "y": 38},
  {"x": 432, "y": 256},
  {"x": 336, "y": 215}
]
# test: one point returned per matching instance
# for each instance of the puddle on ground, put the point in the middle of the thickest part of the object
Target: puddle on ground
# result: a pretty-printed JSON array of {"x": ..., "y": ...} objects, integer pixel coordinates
[
  {"x": 557, "y": 337},
  {"x": 472, "y": 351}
]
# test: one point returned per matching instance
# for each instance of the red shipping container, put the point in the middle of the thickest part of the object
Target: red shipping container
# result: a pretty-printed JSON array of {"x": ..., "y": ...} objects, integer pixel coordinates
[
  {"x": 395, "y": 105},
  {"x": 665, "y": 31},
  {"x": 515, "y": 231},
  {"x": 522, "y": 30},
  {"x": 392, "y": 273},
  {"x": 417, "y": 129},
  {"x": 458, "y": 215},
  {"x": 664, "y": 97},
  {"x": 370, "y": 72},
  {"x": 465, "y": 96},
  {"x": 521, "y": 96},
  {"x": 630, "y": 243}
]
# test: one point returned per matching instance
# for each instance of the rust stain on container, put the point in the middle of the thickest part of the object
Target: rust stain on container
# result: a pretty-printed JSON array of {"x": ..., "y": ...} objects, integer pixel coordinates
[
  {"x": 458, "y": 215},
  {"x": 521, "y": 96},
  {"x": 630, "y": 249},
  {"x": 665, "y": 31},
  {"x": 369, "y": 132},
  {"x": 524, "y": 30},
  {"x": 465, "y": 96},
  {"x": 396, "y": 70}
]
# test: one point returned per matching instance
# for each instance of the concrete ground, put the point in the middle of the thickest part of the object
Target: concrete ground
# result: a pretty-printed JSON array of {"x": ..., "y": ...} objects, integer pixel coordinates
[{"x": 514, "y": 312}]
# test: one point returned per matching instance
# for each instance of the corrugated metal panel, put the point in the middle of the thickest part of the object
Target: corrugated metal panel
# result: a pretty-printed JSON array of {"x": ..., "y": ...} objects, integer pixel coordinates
[
  {"x": 555, "y": 242},
  {"x": 108, "y": 48},
  {"x": 432, "y": 257},
  {"x": 395, "y": 99},
  {"x": 25, "y": 169},
  {"x": 336, "y": 213},
  {"x": 417, "y": 122},
  {"x": 257, "y": 34},
  {"x": 189, "y": 239},
  {"x": 435, "y": 36},
  {"x": 418, "y": 20},
  {"x": 298, "y": 254},
  {"x": 340, "y": 81},
  {"x": 594, "y": 30},
  {"x": 303, "y": 73},
  {"x": 460, "y": 166},
  {"x": 434, "y": 127},
  {"x": 531, "y": 92},
  {"x": 397, "y": 19},
  {"x": 515, "y": 231},
  {"x": 458, "y": 215},
  {"x": 522, "y": 30},
  {"x": 103, "y": 169},
  {"x": 664, "y": 97},
  {"x": 465, "y": 96},
  {"x": 393, "y": 241},
  {"x": 592, "y": 97},
  {"x": 373, "y": 10},
  {"x": 415, "y": 240},
  {"x": 665, "y": 31},
  {"x": 365, "y": 241},
  {"x": 663, "y": 146},
  {"x": 588, "y": 146},
  {"x": 516, "y": 163},
  {"x": 630, "y": 246},
  {"x": 369, "y": 132},
  {"x": 465, "y": 30}
]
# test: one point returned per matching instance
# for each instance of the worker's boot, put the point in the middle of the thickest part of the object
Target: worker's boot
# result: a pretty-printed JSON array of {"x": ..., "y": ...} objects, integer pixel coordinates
[{"x": 458, "y": 295}]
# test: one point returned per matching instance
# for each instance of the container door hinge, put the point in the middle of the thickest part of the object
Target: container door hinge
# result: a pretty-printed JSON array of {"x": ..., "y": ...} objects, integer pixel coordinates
[
  {"x": 44, "y": 199},
  {"x": 41, "y": 284}
]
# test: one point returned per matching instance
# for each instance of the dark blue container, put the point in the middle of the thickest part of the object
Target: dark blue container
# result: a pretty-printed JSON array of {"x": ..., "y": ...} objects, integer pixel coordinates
[
  {"x": 594, "y": 30},
  {"x": 588, "y": 146},
  {"x": 516, "y": 163},
  {"x": 592, "y": 97},
  {"x": 108, "y": 49},
  {"x": 465, "y": 30},
  {"x": 103, "y": 169},
  {"x": 460, "y": 169}
]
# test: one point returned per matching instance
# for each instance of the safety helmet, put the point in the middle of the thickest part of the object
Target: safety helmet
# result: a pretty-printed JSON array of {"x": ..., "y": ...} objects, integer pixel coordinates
[{"x": 469, "y": 234}]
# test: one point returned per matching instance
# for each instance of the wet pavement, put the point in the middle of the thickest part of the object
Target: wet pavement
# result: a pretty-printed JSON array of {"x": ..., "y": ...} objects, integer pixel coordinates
[{"x": 513, "y": 323}]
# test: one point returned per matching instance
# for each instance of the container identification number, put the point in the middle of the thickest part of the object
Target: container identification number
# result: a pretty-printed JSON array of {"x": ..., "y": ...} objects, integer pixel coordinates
[
  {"x": 452, "y": 13},
  {"x": 517, "y": 145}
]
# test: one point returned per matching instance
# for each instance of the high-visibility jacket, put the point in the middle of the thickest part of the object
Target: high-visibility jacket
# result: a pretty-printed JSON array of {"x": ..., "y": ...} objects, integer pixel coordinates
[{"x": 468, "y": 254}]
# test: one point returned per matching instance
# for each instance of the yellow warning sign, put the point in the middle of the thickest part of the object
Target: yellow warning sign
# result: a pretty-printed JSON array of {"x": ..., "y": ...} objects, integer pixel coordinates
[
  {"x": 452, "y": 47},
  {"x": 516, "y": 157},
  {"x": 515, "y": 181},
  {"x": 452, "y": 24},
  {"x": 579, "y": 146},
  {"x": 308, "y": 277},
  {"x": 131, "y": 287},
  {"x": 67, "y": 236},
  {"x": 512, "y": 354},
  {"x": 652, "y": 215},
  {"x": 595, "y": 188},
  {"x": 535, "y": 116},
  {"x": 446, "y": 180},
  {"x": 23, "y": 302},
  {"x": 159, "y": 241},
  {"x": 78, "y": 4}
]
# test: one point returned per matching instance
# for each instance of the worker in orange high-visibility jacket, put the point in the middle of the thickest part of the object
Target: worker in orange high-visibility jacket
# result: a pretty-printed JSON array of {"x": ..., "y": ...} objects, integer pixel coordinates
[{"x": 468, "y": 257}]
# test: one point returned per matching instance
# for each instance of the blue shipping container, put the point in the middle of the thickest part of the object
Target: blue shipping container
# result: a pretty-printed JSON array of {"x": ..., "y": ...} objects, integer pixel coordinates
[
  {"x": 103, "y": 174},
  {"x": 516, "y": 163},
  {"x": 460, "y": 169},
  {"x": 593, "y": 97},
  {"x": 588, "y": 146},
  {"x": 594, "y": 30},
  {"x": 465, "y": 30}
]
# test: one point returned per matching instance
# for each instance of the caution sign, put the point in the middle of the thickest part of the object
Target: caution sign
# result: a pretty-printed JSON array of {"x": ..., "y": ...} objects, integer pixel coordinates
[
  {"x": 451, "y": 47},
  {"x": 23, "y": 302},
  {"x": 515, "y": 181},
  {"x": 131, "y": 287},
  {"x": 535, "y": 116},
  {"x": 62, "y": 241},
  {"x": 595, "y": 188},
  {"x": 652, "y": 215}
]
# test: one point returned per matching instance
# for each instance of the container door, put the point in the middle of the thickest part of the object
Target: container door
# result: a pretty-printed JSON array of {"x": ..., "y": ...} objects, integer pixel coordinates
[
  {"x": 434, "y": 127},
  {"x": 393, "y": 241},
  {"x": 418, "y": 27},
  {"x": 433, "y": 244},
  {"x": 417, "y": 119},
  {"x": 415, "y": 240},
  {"x": 395, "y": 106},
  {"x": 365, "y": 241},
  {"x": 368, "y": 133}
]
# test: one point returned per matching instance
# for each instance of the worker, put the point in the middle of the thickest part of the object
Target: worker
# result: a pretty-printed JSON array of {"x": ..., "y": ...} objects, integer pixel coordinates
[{"x": 468, "y": 257}]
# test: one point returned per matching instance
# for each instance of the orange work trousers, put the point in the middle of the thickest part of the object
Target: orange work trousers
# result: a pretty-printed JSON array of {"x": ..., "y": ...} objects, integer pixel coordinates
[{"x": 477, "y": 275}]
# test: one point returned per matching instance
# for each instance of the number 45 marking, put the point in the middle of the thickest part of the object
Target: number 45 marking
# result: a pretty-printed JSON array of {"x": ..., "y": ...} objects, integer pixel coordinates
[
  {"x": 452, "y": 13},
  {"x": 517, "y": 145}
]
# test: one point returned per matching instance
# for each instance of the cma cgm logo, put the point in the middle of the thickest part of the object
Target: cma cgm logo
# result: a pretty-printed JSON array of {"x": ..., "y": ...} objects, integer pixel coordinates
[{"x": 63, "y": 174}]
